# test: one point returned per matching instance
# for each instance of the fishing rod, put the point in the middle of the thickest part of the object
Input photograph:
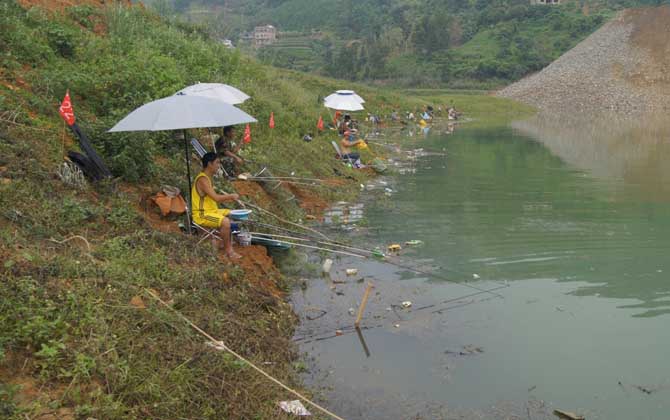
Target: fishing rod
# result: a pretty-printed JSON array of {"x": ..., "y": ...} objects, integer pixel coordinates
[
  {"x": 373, "y": 253},
  {"x": 265, "y": 235},
  {"x": 307, "y": 184},
  {"x": 320, "y": 243},
  {"x": 261, "y": 209},
  {"x": 288, "y": 177}
]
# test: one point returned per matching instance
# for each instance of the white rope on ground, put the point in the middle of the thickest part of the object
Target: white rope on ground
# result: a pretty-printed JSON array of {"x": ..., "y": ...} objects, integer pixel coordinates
[{"x": 220, "y": 345}]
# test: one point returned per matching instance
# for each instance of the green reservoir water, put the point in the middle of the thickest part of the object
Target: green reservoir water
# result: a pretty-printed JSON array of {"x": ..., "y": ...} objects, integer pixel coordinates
[{"x": 568, "y": 222}]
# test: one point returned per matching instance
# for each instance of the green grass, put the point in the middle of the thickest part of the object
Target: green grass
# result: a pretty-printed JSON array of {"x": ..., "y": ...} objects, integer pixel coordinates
[{"x": 66, "y": 318}]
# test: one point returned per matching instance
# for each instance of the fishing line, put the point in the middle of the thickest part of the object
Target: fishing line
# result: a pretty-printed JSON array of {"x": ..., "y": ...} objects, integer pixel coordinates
[{"x": 386, "y": 261}]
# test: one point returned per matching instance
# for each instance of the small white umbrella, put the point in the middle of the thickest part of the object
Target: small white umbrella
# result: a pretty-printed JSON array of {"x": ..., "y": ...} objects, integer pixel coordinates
[
  {"x": 220, "y": 91},
  {"x": 343, "y": 103},
  {"x": 347, "y": 92}
]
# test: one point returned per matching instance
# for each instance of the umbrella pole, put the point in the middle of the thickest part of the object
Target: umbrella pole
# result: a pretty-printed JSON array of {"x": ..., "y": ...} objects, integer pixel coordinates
[{"x": 188, "y": 173}]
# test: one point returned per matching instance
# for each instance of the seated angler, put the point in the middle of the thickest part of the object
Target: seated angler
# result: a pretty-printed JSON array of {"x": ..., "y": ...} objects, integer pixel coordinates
[
  {"x": 349, "y": 140},
  {"x": 206, "y": 211},
  {"x": 229, "y": 152}
]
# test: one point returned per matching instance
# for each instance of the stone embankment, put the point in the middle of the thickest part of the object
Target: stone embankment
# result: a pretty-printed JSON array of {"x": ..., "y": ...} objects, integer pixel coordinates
[{"x": 624, "y": 67}]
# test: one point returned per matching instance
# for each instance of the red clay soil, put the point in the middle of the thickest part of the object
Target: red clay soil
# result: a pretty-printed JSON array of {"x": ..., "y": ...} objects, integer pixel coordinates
[
  {"x": 259, "y": 268},
  {"x": 15, "y": 371},
  {"x": 252, "y": 190},
  {"x": 309, "y": 201}
]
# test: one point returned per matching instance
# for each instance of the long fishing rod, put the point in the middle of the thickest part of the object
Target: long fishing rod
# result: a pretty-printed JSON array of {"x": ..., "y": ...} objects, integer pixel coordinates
[
  {"x": 375, "y": 253},
  {"x": 284, "y": 220},
  {"x": 288, "y": 178},
  {"x": 264, "y": 236},
  {"x": 395, "y": 264},
  {"x": 293, "y": 238},
  {"x": 306, "y": 184}
]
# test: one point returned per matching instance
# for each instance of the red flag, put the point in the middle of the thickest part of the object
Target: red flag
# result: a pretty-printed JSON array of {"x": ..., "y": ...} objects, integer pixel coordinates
[
  {"x": 319, "y": 125},
  {"x": 247, "y": 134},
  {"x": 272, "y": 120},
  {"x": 66, "y": 110}
]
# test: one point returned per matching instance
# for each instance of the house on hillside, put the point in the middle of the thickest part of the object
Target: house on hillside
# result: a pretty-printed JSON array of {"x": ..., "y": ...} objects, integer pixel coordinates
[
  {"x": 545, "y": 2},
  {"x": 264, "y": 35}
]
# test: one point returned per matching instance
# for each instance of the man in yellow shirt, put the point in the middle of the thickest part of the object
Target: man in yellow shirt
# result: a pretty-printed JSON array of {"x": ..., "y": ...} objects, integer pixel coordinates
[{"x": 206, "y": 211}]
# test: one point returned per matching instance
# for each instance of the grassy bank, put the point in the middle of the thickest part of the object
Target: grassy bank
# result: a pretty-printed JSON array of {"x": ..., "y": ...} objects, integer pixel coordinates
[{"x": 79, "y": 334}]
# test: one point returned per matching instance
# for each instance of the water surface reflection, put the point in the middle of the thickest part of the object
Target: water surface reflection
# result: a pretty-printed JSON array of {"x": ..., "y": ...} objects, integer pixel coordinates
[{"x": 575, "y": 218}]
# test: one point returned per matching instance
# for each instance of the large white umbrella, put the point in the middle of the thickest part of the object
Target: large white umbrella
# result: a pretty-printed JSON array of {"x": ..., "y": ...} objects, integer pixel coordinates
[
  {"x": 220, "y": 91},
  {"x": 346, "y": 92},
  {"x": 343, "y": 102},
  {"x": 180, "y": 112}
]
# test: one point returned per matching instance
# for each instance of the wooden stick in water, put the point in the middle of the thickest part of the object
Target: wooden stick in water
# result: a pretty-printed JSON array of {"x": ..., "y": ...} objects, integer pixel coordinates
[{"x": 364, "y": 302}]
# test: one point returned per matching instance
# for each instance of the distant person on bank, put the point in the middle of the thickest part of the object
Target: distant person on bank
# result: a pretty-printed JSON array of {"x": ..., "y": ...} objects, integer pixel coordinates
[
  {"x": 349, "y": 140},
  {"x": 206, "y": 211},
  {"x": 229, "y": 151}
]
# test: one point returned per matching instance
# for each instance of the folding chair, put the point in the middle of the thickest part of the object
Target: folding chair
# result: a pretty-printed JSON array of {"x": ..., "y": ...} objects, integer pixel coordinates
[
  {"x": 200, "y": 151},
  {"x": 339, "y": 153},
  {"x": 211, "y": 232}
]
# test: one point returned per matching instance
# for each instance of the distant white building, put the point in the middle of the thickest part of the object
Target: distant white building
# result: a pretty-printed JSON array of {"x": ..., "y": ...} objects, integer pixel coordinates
[
  {"x": 264, "y": 35},
  {"x": 545, "y": 2}
]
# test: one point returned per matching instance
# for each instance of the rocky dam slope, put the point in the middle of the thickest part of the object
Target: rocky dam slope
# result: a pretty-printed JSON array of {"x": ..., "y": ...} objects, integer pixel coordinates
[{"x": 624, "y": 66}]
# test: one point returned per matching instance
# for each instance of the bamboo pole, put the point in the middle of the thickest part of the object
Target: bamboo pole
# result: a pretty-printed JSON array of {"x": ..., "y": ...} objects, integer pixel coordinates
[{"x": 364, "y": 302}]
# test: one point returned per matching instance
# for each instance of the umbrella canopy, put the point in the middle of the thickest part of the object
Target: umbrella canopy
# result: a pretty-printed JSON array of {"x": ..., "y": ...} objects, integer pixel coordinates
[
  {"x": 181, "y": 112},
  {"x": 347, "y": 92},
  {"x": 225, "y": 93},
  {"x": 343, "y": 102}
]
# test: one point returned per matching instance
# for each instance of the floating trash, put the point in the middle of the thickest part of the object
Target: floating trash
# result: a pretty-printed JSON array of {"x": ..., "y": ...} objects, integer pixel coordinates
[
  {"x": 406, "y": 304},
  {"x": 395, "y": 248},
  {"x": 327, "y": 265},
  {"x": 414, "y": 242},
  {"x": 352, "y": 271}
]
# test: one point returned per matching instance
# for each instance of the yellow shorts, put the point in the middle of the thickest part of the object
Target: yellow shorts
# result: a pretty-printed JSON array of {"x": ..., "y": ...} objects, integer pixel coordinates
[{"x": 211, "y": 219}]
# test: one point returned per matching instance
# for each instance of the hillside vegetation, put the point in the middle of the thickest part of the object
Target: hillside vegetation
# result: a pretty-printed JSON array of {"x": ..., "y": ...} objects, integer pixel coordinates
[
  {"x": 80, "y": 335},
  {"x": 433, "y": 42}
]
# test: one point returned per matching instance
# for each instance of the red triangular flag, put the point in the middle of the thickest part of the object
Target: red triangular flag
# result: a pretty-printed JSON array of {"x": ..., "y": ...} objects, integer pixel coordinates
[
  {"x": 247, "y": 134},
  {"x": 66, "y": 110},
  {"x": 319, "y": 125},
  {"x": 272, "y": 120}
]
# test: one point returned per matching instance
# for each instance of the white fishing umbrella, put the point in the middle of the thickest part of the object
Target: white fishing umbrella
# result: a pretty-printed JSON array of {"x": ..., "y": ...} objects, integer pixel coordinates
[
  {"x": 220, "y": 91},
  {"x": 343, "y": 102},
  {"x": 180, "y": 112},
  {"x": 346, "y": 92}
]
